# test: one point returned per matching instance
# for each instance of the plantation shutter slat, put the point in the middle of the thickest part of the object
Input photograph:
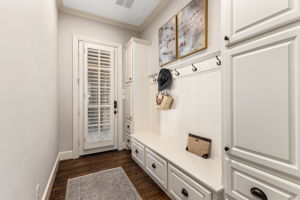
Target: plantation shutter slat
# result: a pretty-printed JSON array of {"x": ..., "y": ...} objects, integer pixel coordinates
[{"x": 99, "y": 100}]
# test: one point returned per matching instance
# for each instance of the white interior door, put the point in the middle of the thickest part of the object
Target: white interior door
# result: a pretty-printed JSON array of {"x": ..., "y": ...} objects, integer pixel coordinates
[{"x": 98, "y": 94}]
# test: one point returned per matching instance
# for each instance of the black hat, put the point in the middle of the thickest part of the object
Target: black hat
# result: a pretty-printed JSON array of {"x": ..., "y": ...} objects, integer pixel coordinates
[{"x": 164, "y": 79}]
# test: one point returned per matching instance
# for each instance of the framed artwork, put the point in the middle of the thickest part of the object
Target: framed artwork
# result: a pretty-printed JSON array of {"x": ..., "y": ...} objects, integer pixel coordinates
[
  {"x": 192, "y": 28},
  {"x": 167, "y": 38}
]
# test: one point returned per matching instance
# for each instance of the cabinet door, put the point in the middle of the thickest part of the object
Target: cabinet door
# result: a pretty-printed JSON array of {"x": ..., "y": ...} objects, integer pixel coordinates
[
  {"x": 128, "y": 63},
  {"x": 128, "y": 101},
  {"x": 262, "y": 101},
  {"x": 243, "y": 18}
]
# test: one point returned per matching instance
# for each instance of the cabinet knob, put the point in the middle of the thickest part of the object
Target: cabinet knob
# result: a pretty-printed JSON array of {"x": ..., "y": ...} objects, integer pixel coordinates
[
  {"x": 258, "y": 193},
  {"x": 153, "y": 166},
  {"x": 128, "y": 140},
  {"x": 128, "y": 126},
  {"x": 136, "y": 151},
  {"x": 226, "y": 148},
  {"x": 184, "y": 192},
  {"x": 226, "y": 38}
]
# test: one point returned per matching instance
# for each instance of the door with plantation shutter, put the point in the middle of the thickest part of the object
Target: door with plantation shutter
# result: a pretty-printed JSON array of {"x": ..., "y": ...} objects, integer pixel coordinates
[{"x": 98, "y": 98}]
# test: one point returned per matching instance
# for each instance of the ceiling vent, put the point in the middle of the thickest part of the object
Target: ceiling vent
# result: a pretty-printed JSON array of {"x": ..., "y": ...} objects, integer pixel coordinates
[{"x": 125, "y": 3}]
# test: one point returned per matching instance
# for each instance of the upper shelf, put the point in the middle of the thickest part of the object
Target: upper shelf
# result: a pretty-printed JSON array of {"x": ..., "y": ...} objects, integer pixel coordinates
[{"x": 189, "y": 61}]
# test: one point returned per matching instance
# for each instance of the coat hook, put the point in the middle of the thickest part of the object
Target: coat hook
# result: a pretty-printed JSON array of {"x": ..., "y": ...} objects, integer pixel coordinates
[
  {"x": 218, "y": 61},
  {"x": 194, "y": 68},
  {"x": 176, "y": 72}
]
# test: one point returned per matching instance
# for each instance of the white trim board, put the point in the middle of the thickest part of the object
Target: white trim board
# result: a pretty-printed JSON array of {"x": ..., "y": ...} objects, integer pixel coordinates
[
  {"x": 65, "y": 155},
  {"x": 140, "y": 28},
  {"x": 76, "y": 105},
  {"x": 48, "y": 188}
]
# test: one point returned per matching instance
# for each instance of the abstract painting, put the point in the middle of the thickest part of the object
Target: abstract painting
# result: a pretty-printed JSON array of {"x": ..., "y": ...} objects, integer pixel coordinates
[
  {"x": 192, "y": 28},
  {"x": 168, "y": 42}
]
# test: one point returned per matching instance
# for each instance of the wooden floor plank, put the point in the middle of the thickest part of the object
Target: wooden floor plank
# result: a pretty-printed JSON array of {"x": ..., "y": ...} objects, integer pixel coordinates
[{"x": 145, "y": 186}]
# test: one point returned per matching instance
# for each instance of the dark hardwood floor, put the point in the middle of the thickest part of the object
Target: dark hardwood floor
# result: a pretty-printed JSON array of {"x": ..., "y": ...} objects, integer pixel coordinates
[{"x": 145, "y": 186}]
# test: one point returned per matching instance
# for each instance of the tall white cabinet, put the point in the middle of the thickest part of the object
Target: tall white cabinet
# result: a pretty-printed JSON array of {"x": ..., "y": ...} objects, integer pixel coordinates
[
  {"x": 261, "y": 99},
  {"x": 137, "y": 87}
]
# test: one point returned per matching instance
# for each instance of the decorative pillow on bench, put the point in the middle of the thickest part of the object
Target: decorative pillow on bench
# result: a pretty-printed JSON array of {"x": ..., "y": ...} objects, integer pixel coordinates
[{"x": 199, "y": 145}]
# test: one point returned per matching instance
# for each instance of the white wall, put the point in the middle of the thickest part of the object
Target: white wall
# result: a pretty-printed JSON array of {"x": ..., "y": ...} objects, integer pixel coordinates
[
  {"x": 151, "y": 32},
  {"x": 196, "y": 109},
  {"x": 28, "y": 103},
  {"x": 196, "y": 106},
  {"x": 69, "y": 24}
]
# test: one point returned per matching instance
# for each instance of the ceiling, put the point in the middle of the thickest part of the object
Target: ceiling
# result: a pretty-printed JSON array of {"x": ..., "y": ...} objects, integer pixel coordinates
[{"x": 131, "y": 14}]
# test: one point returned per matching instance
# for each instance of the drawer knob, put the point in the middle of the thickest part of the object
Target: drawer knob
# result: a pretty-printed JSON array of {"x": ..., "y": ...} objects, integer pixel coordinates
[
  {"x": 128, "y": 140},
  {"x": 226, "y": 38},
  {"x": 184, "y": 192},
  {"x": 153, "y": 166},
  {"x": 226, "y": 148},
  {"x": 128, "y": 126},
  {"x": 258, "y": 193},
  {"x": 136, "y": 151}
]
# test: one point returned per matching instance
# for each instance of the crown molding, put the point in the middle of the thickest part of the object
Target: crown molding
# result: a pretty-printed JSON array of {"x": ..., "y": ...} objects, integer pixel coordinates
[
  {"x": 137, "y": 40},
  {"x": 87, "y": 15},
  {"x": 153, "y": 14}
]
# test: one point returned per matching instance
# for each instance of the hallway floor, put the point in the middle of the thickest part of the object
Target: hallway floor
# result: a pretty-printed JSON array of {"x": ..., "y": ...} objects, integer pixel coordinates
[{"x": 145, "y": 186}]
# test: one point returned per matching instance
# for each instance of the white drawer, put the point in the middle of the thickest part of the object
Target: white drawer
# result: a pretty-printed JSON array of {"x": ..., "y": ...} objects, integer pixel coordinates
[
  {"x": 157, "y": 167},
  {"x": 128, "y": 126},
  {"x": 138, "y": 152},
  {"x": 242, "y": 179},
  {"x": 128, "y": 139},
  {"x": 182, "y": 187}
]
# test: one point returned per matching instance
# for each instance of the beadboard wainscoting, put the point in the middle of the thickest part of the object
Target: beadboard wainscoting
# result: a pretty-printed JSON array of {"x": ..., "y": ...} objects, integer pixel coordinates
[{"x": 197, "y": 105}]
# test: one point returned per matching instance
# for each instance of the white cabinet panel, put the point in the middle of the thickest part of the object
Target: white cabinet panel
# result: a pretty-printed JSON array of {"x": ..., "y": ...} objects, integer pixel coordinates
[
  {"x": 244, "y": 183},
  {"x": 128, "y": 101},
  {"x": 182, "y": 187},
  {"x": 138, "y": 152},
  {"x": 262, "y": 101},
  {"x": 128, "y": 140},
  {"x": 128, "y": 63},
  {"x": 244, "y": 18},
  {"x": 128, "y": 126},
  {"x": 157, "y": 167}
]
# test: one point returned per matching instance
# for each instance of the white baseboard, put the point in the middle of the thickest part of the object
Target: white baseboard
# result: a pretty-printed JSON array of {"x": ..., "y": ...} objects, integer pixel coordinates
[
  {"x": 48, "y": 188},
  {"x": 65, "y": 155}
]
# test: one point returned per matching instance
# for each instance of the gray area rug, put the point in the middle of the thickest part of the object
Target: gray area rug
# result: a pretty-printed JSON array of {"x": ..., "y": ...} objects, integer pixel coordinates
[{"x": 112, "y": 184}]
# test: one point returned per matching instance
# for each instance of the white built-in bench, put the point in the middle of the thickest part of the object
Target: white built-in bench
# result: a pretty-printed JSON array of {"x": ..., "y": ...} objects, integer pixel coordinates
[{"x": 181, "y": 174}]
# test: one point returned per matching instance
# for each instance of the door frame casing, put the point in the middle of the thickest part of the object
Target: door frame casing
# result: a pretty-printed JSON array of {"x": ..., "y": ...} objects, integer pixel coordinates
[{"x": 76, "y": 91}]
